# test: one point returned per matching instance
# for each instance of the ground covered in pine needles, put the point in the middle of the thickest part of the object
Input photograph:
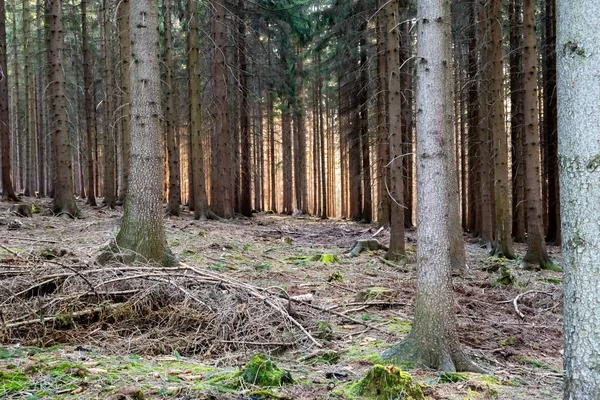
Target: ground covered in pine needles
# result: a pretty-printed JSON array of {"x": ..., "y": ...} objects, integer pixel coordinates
[{"x": 280, "y": 287}]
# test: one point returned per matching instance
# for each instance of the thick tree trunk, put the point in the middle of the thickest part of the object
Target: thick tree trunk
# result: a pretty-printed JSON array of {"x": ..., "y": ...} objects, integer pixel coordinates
[
  {"x": 246, "y": 166},
  {"x": 433, "y": 340},
  {"x": 517, "y": 119},
  {"x": 125, "y": 55},
  {"x": 473, "y": 164},
  {"x": 396, "y": 249},
  {"x": 367, "y": 209},
  {"x": 503, "y": 246},
  {"x": 41, "y": 106},
  {"x": 142, "y": 231},
  {"x": 578, "y": 57},
  {"x": 550, "y": 132},
  {"x": 286, "y": 139},
  {"x": 18, "y": 143},
  {"x": 536, "y": 245},
  {"x": 300, "y": 154},
  {"x": 174, "y": 198},
  {"x": 406, "y": 88},
  {"x": 322, "y": 170},
  {"x": 383, "y": 206},
  {"x": 8, "y": 191},
  {"x": 272, "y": 163},
  {"x": 89, "y": 107},
  {"x": 29, "y": 130},
  {"x": 64, "y": 201},
  {"x": 198, "y": 185},
  {"x": 222, "y": 177},
  {"x": 109, "y": 132}
]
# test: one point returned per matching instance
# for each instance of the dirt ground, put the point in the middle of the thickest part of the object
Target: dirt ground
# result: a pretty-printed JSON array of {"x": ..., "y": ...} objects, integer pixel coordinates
[{"x": 167, "y": 345}]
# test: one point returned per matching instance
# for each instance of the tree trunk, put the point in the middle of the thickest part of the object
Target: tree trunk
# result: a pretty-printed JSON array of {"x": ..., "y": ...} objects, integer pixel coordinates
[
  {"x": 550, "y": 122},
  {"x": 503, "y": 246},
  {"x": 272, "y": 170},
  {"x": 109, "y": 133},
  {"x": 89, "y": 107},
  {"x": 125, "y": 54},
  {"x": 367, "y": 209},
  {"x": 198, "y": 187},
  {"x": 323, "y": 170},
  {"x": 578, "y": 57},
  {"x": 246, "y": 166},
  {"x": 29, "y": 130},
  {"x": 383, "y": 206},
  {"x": 64, "y": 201},
  {"x": 517, "y": 121},
  {"x": 406, "y": 89},
  {"x": 536, "y": 245},
  {"x": 286, "y": 139},
  {"x": 18, "y": 144},
  {"x": 223, "y": 175},
  {"x": 142, "y": 230},
  {"x": 300, "y": 154},
  {"x": 473, "y": 164},
  {"x": 42, "y": 104},
  {"x": 396, "y": 249},
  {"x": 8, "y": 191},
  {"x": 433, "y": 340},
  {"x": 174, "y": 199}
]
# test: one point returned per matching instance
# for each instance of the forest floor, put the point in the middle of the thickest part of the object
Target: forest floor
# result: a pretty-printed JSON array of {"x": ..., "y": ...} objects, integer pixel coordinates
[{"x": 72, "y": 329}]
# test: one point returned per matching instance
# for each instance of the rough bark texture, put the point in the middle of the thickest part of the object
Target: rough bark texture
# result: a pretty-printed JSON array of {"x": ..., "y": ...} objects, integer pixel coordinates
[
  {"x": 383, "y": 204},
  {"x": 142, "y": 231},
  {"x": 473, "y": 133},
  {"x": 174, "y": 199},
  {"x": 286, "y": 139},
  {"x": 8, "y": 191},
  {"x": 433, "y": 340},
  {"x": 367, "y": 209},
  {"x": 64, "y": 201},
  {"x": 578, "y": 57},
  {"x": 300, "y": 176},
  {"x": 536, "y": 244},
  {"x": 246, "y": 166},
  {"x": 125, "y": 54},
  {"x": 503, "y": 246},
  {"x": 406, "y": 88},
  {"x": 89, "y": 107},
  {"x": 396, "y": 249},
  {"x": 109, "y": 132},
  {"x": 29, "y": 130},
  {"x": 198, "y": 184},
  {"x": 222, "y": 173}
]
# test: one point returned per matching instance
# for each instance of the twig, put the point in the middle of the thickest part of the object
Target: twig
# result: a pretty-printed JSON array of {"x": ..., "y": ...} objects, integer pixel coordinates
[
  {"x": 391, "y": 264},
  {"x": 257, "y": 343},
  {"x": 33, "y": 240},
  {"x": 55, "y": 317},
  {"x": 515, "y": 301}
]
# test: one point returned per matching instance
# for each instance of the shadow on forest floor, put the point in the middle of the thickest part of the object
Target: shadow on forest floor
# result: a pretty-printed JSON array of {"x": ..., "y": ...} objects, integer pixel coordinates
[{"x": 272, "y": 285}]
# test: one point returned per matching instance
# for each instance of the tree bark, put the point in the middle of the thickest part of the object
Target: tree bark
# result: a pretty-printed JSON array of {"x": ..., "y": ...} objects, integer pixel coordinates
[
  {"x": 109, "y": 132},
  {"x": 396, "y": 249},
  {"x": 536, "y": 255},
  {"x": 503, "y": 246},
  {"x": 64, "y": 201},
  {"x": 433, "y": 340},
  {"x": 125, "y": 55},
  {"x": 383, "y": 206},
  {"x": 142, "y": 231},
  {"x": 246, "y": 166},
  {"x": 29, "y": 130},
  {"x": 8, "y": 191},
  {"x": 89, "y": 107},
  {"x": 578, "y": 57}
]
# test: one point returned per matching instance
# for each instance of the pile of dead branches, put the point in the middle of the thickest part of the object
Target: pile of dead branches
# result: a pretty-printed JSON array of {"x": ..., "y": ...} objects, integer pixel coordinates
[{"x": 146, "y": 309}]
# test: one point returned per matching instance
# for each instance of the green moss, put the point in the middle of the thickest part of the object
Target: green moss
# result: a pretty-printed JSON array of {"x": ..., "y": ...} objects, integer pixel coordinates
[
  {"x": 400, "y": 326},
  {"x": 265, "y": 394},
  {"x": 324, "y": 330},
  {"x": 263, "y": 372},
  {"x": 452, "y": 377},
  {"x": 375, "y": 294},
  {"x": 335, "y": 277},
  {"x": 388, "y": 383},
  {"x": 12, "y": 382},
  {"x": 508, "y": 341}
]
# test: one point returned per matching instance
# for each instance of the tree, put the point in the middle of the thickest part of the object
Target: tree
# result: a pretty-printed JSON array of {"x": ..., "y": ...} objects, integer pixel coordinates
[
  {"x": 89, "y": 107},
  {"x": 396, "y": 249},
  {"x": 8, "y": 191},
  {"x": 142, "y": 231},
  {"x": 536, "y": 244},
  {"x": 383, "y": 206},
  {"x": 174, "y": 199},
  {"x": 125, "y": 51},
  {"x": 109, "y": 132},
  {"x": 64, "y": 201},
  {"x": 433, "y": 340},
  {"x": 197, "y": 181},
  {"x": 578, "y": 56},
  {"x": 503, "y": 246}
]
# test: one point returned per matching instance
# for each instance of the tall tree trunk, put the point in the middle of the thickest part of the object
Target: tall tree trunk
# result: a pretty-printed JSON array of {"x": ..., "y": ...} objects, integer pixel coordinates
[
  {"x": 20, "y": 166},
  {"x": 384, "y": 204},
  {"x": 272, "y": 166},
  {"x": 367, "y": 209},
  {"x": 89, "y": 107},
  {"x": 142, "y": 230},
  {"x": 246, "y": 166},
  {"x": 503, "y": 240},
  {"x": 578, "y": 57},
  {"x": 41, "y": 105},
  {"x": 64, "y": 201},
  {"x": 473, "y": 121},
  {"x": 485, "y": 166},
  {"x": 286, "y": 139},
  {"x": 396, "y": 249},
  {"x": 125, "y": 55},
  {"x": 109, "y": 133},
  {"x": 8, "y": 191},
  {"x": 550, "y": 122},
  {"x": 536, "y": 246},
  {"x": 517, "y": 122},
  {"x": 198, "y": 184},
  {"x": 174, "y": 199},
  {"x": 406, "y": 88},
  {"x": 222, "y": 178},
  {"x": 433, "y": 340},
  {"x": 323, "y": 170},
  {"x": 29, "y": 130}
]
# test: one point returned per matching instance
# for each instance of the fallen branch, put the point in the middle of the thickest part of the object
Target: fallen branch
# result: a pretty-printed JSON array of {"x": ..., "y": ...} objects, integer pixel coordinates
[{"x": 515, "y": 301}]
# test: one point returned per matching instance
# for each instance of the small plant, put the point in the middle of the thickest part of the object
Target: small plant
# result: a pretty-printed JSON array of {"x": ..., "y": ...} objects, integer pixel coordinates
[{"x": 335, "y": 277}]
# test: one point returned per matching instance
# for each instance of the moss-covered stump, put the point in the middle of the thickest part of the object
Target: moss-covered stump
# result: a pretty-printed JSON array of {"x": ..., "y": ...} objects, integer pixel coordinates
[
  {"x": 262, "y": 372},
  {"x": 388, "y": 383}
]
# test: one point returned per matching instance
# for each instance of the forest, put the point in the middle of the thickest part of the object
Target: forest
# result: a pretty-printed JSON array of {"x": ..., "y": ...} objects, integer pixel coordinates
[{"x": 299, "y": 199}]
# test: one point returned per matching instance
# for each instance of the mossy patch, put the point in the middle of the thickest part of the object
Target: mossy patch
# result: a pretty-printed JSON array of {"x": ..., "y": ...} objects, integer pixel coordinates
[
  {"x": 452, "y": 377},
  {"x": 400, "y": 326},
  {"x": 335, "y": 277},
  {"x": 375, "y": 294},
  {"x": 387, "y": 382},
  {"x": 263, "y": 372},
  {"x": 12, "y": 382}
]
